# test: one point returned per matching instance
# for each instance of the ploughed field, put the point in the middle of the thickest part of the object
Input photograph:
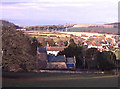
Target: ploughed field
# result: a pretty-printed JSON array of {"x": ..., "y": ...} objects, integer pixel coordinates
[{"x": 59, "y": 80}]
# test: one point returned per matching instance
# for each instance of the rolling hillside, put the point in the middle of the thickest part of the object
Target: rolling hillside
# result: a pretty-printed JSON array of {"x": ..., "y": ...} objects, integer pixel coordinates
[{"x": 94, "y": 29}]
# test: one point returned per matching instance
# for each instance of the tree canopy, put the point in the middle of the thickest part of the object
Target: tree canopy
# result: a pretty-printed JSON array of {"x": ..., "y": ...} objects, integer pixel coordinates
[
  {"x": 90, "y": 58},
  {"x": 17, "y": 50},
  {"x": 106, "y": 60},
  {"x": 73, "y": 50}
]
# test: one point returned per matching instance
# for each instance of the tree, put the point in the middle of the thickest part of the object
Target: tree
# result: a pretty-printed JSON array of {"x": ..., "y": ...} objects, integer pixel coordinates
[
  {"x": 91, "y": 58},
  {"x": 17, "y": 51},
  {"x": 66, "y": 43},
  {"x": 51, "y": 42},
  {"x": 34, "y": 46},
  {"x": 106, "y": 60},
  {"x": 73, "y": 50},
  {"x": 72, "y": 43}
]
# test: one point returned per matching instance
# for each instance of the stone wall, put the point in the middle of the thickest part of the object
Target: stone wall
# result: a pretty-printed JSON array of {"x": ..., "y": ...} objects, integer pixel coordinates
[{"x": 56, "y": 65}]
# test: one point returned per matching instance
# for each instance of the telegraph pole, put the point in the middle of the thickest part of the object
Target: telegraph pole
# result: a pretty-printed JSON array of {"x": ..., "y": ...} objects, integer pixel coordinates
[
  {"x": 66, "y": 27},
  {"x": 48, "y": 28}
]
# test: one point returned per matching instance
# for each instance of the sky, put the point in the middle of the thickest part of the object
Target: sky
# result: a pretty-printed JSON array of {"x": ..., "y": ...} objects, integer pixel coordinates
[{"x": 49, "y": 12}]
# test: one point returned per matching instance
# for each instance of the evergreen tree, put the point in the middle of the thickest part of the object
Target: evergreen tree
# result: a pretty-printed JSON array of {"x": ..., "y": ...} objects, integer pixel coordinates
[{"x": 73, "y": 50}]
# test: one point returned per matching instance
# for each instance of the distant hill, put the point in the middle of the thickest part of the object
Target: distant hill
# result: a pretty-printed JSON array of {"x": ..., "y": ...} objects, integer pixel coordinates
[
  {"x": 99, "y": 30},
  {"x": 111, "y": 28},
  {"x": 116, "y": 23},
  {"x": 16, "y": 47}
]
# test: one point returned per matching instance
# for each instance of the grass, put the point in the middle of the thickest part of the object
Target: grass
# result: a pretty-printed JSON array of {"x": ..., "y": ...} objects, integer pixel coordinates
[{"x": 61, "y": 80}]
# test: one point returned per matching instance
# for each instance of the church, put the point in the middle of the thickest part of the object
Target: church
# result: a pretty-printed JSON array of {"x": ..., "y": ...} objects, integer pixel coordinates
[{"x": 51, "y": 61}]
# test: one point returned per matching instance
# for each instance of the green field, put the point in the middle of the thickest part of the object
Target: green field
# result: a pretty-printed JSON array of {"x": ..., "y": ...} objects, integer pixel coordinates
[{"x": 61, "y": 80}]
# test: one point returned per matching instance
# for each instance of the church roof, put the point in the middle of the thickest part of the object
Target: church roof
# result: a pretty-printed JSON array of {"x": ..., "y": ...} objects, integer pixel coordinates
[
  {"x": 52, "y": 58},
  {"x": 42, "y": 50}
]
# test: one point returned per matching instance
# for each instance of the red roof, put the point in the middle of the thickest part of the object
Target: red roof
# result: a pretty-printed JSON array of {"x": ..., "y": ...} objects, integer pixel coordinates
[
  {"x": 84, "y": 35},
  {"x": 55, "y": 48}
]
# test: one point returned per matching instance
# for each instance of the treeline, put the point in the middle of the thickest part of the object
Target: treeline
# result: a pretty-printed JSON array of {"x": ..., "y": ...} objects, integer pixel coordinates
[
  {"x": 48, "y": 27},
  {"x": 90, "y": 58}
]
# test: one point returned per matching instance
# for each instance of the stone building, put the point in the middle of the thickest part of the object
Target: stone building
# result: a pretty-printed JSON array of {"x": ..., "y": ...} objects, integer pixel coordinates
[
  {"x": 51, "y": 61},
  {"x": 56, "y": 62},
  {"x": 41, "y": 58}
]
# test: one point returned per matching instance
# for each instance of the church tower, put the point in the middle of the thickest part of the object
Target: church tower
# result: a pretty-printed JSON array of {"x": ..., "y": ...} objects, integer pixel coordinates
[{"x": 41, "y": 58}]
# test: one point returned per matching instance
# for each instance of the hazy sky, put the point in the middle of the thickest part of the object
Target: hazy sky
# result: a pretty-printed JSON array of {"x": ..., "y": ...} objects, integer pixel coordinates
[{"x": 41, "y": 12}]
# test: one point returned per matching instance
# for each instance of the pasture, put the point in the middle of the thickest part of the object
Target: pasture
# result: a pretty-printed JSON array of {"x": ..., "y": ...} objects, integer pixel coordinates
[{"x": 60, "y": 80}]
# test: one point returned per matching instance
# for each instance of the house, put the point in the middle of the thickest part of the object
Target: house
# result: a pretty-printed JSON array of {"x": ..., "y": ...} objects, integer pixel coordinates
[
  {"x": 21, "y": 29},
  {"x": 84, "y": 36},
  {"x": 54, "y": 50},
  {"x": 56, "y": 62},
  {"x": 61, "y": 62},
  {"x": 71, "y": 62}
]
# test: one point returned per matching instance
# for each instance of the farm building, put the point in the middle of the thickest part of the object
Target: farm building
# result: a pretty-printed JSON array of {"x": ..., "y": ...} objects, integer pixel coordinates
[
  {"x": 50, "y": 61},
  {"x": 56, "y": 62},
  {"x": 54, "y": 50}
]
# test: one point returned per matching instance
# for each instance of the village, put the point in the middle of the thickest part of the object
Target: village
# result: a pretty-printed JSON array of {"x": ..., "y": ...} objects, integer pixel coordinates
[
  {"x": 48, "y": 53},
  {"x": 60, "y": 43}
]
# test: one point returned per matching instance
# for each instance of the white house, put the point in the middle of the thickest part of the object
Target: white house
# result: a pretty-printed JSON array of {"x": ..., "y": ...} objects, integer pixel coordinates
[
  {"x": 54, "y": 50},
  {"x": 21, "y": 29}
]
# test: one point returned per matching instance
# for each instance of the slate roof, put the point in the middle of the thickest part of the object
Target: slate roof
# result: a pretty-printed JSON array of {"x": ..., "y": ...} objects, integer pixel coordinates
[
  {"x": 42, "y": 50},
  {"x": 70, "y": 60},
  {"x": 52, "y": 58}
]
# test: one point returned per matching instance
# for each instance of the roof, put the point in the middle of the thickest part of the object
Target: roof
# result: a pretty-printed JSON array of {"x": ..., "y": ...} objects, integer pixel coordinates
[
  {"x": 55, "y": 48},
  {"x": 42, "y": 50},
  {"x": 52, "y": 58}
]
